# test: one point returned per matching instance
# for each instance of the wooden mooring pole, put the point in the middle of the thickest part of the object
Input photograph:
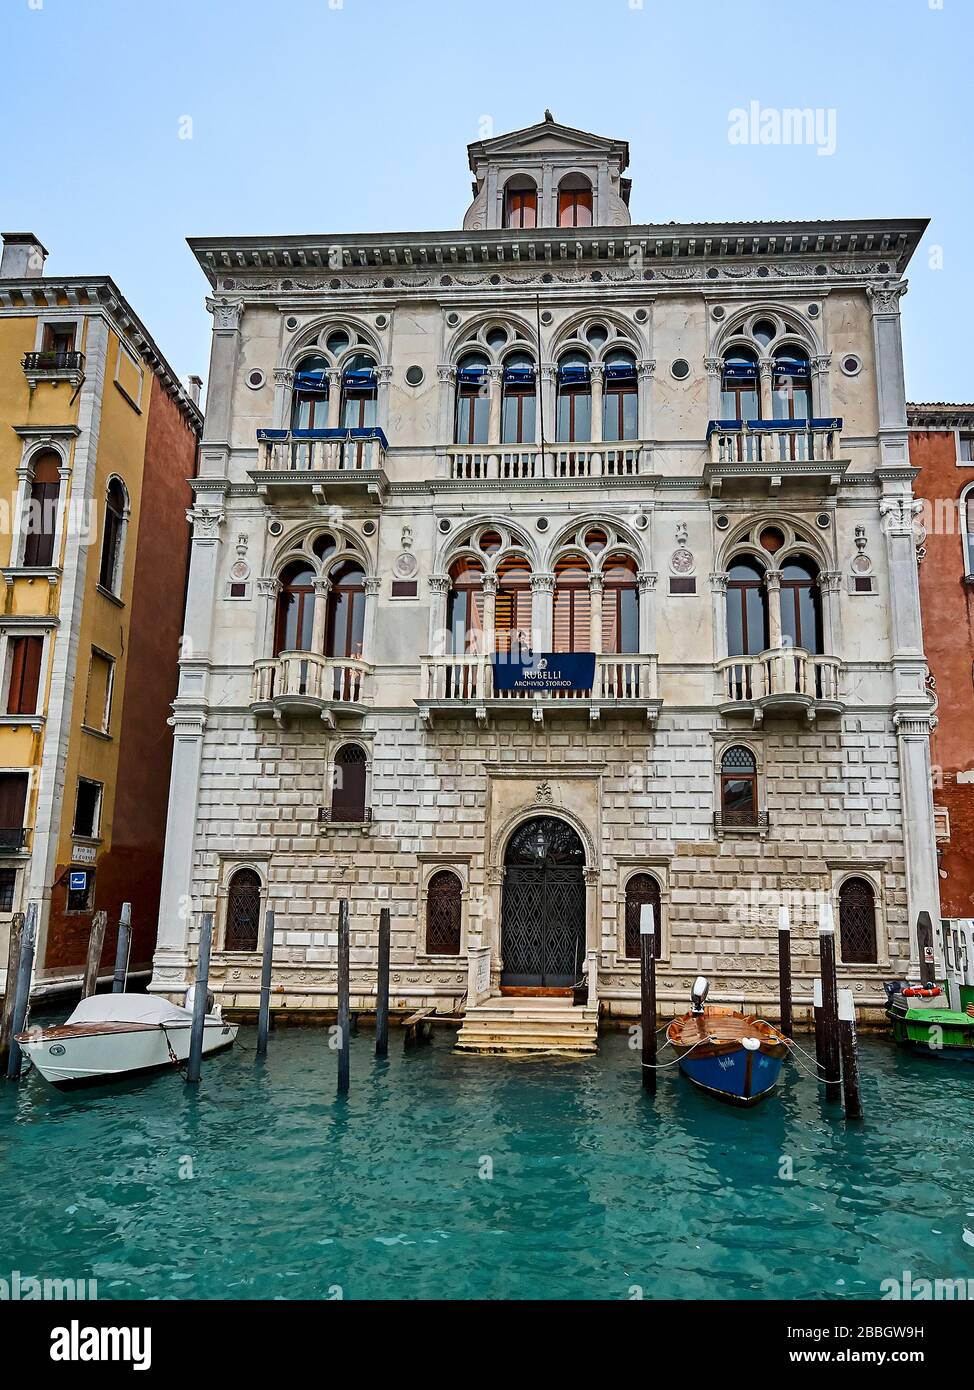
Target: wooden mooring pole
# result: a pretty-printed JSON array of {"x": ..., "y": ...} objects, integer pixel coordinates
[
  {"x": 122, "y": 949},
  {"x": 382, "y": 986},
  {"x": 344, "y": 1002},
  {"x": 928, "y": 965},
  {"x": 10, "y": 989},
  {"x": 850, "y": 1055},
  {"x": 830, "y": 1004},
  {"x": 195, "y": 1060},
  {"x": 264, "y": 1014},
  {"x": 784, "y": 970},
  {"x": 96, "y": 941},
  {"x": 647, "y": 993},
  {"x": 819, "y": 1028},
  {"x": 25, "y": 972}
]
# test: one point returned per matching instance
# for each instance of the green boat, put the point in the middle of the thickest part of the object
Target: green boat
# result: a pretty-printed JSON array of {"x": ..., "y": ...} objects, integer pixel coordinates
[{"x": 937, "y": 1019}]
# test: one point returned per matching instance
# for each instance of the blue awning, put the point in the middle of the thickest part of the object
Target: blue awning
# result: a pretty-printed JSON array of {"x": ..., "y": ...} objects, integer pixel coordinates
[
  {"x": 574, "y": 375},
  {"x": 724, "y": 427},
  {"x": 311, "y": 381},
  {"x": 365, "y": 432},
  {"x": 362, "y": 380},
  {"x": 518, "y": 376},
  {"x": 620, "y": 371},
  {"x": 471, "y": 376},
  {"x": 791, "y": 366},
  {"x": 740, "y": 371}
]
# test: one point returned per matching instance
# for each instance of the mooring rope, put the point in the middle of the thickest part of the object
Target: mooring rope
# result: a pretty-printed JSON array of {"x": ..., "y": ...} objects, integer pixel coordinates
[{"x": 664, "y": 1066}]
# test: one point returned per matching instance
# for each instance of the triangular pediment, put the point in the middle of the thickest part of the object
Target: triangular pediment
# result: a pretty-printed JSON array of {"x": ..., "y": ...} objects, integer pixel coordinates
[{"x": 547, "y": 137}]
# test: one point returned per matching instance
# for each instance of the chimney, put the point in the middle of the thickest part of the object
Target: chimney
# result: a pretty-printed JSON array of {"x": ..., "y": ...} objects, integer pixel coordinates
[
  {"x": 194, "y": 385},
  {"x": 23, "y": 256}
]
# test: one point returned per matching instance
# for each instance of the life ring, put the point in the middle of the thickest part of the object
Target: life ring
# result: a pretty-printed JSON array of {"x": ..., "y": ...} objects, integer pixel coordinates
[{"x": 915, "y": 992}]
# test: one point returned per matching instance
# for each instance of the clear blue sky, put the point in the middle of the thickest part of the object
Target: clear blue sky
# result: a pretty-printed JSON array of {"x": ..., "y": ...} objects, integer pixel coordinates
[{"x": 353, "y": 115}]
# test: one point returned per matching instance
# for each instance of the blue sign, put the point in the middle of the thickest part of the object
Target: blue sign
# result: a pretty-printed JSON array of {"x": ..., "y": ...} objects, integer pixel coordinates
[
  {"x": 78, "y": 881},
  {"x": 545, "y": 671}
]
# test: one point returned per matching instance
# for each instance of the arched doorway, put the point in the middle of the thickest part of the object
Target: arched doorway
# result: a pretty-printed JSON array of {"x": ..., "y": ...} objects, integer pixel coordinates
[{"x": 543, "y": 915}]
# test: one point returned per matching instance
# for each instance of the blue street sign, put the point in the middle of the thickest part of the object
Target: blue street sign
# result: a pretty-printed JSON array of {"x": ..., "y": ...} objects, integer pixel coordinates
[
  {"x": 78, "y": 881},
  {"x": 545, "y": 671}
]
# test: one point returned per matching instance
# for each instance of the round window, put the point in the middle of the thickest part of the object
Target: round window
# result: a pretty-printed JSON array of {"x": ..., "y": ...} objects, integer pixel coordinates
[
  {"x": 255, "y": 379},
  {"x": 496, "y": 338},
  {"x": 337, "y": 342},
  {"x": 764, "y": 331},
  {"x": 851, "y": 364},
  {"x": 597, "y": 334},
  {"x": 414, "y": 376},
  {"x": 324, "y": 545},
  {"x": 772, "y": 539},
  {"x": 680, "y": 369}
]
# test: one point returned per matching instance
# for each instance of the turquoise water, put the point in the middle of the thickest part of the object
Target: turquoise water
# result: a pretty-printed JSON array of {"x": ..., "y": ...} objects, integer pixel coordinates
[{"x": 455, "y": 1177}]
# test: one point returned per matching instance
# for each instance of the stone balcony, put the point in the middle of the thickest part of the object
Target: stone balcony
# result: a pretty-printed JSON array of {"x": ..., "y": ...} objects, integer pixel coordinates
[
  {"x": 54, "y": 365},
  {"x": 302, "y": 683},
  {"x": 788, "y": 680},
  {"x": 511, "y": 462},
  {"x": 461, "y": 685},
  {"x": 771, "y": 453},
  {"x": 337, "y": 465}
]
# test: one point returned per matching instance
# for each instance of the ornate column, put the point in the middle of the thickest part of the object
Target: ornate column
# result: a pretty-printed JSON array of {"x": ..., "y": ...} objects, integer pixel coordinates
[
  {"x": 25, "y": 476},
  {"x": 268, "y": 590},
  {"x": 830, "y": 583},
  {"x": 772, "y": 583},
  {"x": 373, "y": 588},
  {"x": 913, "y": 729},
  {"x": 598, "y": 395},
  {"x": 718, "y": 589},
  {"x": 593, "y": 914},
  {"x": 595, "y": 587},
  {"x": 646, "y": 371},
  {"x": 766, "y": 370},
  {"x": 439, "y": 588},
  {"x": 446, "y": 376},
  {"x": 548, "y": 375},
  {"x": 283, "y": 391},
  {"x": 495, "y": 376},
  {"x": 224, "y": 366},
  {"x": 383, "y": 376},
  {"x": 490, "y": 598},
  {"x": 714, "y": 367},
  {"x": 319, "y": 624},
  {"x": 334, "y": 398},
  {"x": 890, "y": 380},
  {"x": 646, "y": 579},
  {"x": 822, "y": 386},
  {"x": 542, "y": 592}
]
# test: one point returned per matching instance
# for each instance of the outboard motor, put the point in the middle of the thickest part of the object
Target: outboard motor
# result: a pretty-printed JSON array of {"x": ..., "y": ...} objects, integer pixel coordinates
[
  {"x": 191, "y": 996},
  {"x": 698, "y": 995}
]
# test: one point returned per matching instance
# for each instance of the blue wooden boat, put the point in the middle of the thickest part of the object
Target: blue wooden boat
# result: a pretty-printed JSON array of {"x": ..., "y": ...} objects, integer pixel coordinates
[{"x": 733, "y": 1056}]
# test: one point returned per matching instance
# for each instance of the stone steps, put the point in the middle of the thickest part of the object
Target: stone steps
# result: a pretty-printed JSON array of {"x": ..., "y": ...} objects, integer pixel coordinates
[{"x": 523, "y": 1025}]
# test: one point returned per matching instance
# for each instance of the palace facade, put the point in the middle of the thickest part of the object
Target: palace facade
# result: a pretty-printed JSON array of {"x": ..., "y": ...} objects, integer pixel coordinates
[{"x": 540, "y": 570}]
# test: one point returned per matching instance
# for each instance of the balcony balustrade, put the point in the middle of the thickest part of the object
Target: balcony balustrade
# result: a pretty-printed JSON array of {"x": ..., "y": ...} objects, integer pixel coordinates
[
  {"x": 507, "y": 463},
  {"x": 788, "y": 679},
  {"x": 13, "y": 839},
  {"x": 306, "y": 683},
  {"x": 54, "y": 364},
  {"x": 465, "y": 684},
  {"x": 334, "y": 464},
  {"x": 774, "y": 441}
]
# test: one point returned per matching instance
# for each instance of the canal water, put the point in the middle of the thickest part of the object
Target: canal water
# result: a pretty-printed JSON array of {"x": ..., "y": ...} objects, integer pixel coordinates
[{"x": 445, "y": 1176}]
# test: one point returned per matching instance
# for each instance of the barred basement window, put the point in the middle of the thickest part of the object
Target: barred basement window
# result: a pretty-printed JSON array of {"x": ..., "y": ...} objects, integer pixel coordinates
[
  {"x": 243, "y": 911},
  {"x": 857, "y": 922},
  {"x": 641, "y": 889},
  {"x": 443, "y": 912},
  {"x": 348, "y": 787},
  {"x": 8, "y": 883},
  {"x": 738, "y": 787}
]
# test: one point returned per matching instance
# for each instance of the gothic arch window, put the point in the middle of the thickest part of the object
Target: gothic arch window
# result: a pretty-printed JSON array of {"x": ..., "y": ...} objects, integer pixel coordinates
[
  {"x": 740, "y": 393},
  {"x": 444, "y": 913},
  {"x": 572, "y": 606},
  {"x": 967, "y": 527},
  {"x": 620, "y": 605},
  {"x": 349, "y": 784},
  {"x": 738, "y": 786},
  {"x": 243, "y": 911},
  {"x": 512, "y": 607},
  {"x": 575, "y": 201},
  {"x": 521, "y": 202},
  {"x": 747, "y": 608},
  {"x": 641, "y": 890},
  {"x": 801, "y": 604},
  {"x": 309, "y": 403},
  {"x": 345, "y": 627},
  {"x": 473, "y": 403},
  {"x": 573, "y": 410},
  {"x": 620, "y": 399},
  {"x": 465, "y": 607},
  {"x": 113, "y": 537},
  {"x": 791, "y": 384},
  {"x": 295, "y": 609},
  {"x": 40, "y": 521},
  {"x": 857, "y": 922},
  {"x": 518, "y": 399},
  {"x": 359, "y": 393}
]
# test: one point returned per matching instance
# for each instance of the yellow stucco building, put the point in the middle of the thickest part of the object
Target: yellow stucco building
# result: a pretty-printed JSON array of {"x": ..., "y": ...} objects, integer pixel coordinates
[{"x": 97, "y": 441}]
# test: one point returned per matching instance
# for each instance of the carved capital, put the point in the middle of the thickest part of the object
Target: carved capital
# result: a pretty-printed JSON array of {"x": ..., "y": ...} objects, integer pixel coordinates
[
  {"x": 269, "y": 587},
  {"x": 772, "y": 580},
  {"x": 718, "y": 582},
  {"x": 899, "y": 515},
  {"x": 646, "y": 367},
  {"x": 446, "y": 374},
  {"x": 766, "y": 368},
  {"x": 543, "y": 583},
  {"x": 283, "y": 376},
  {"x": 821, "y": 364},
  {"x": 885, "y": 298},
  {"x": 489, "y": 584},
  {"x": 713, "y": 366},
  {"x": 372, "y": 584},
  {"x": 439, "y": 583},
  {"x": 227, "y": 314},
  {"x": 383, "y": 374},
  {"x": 646, "y": 579},
  {"x": 206, "y": 522}
]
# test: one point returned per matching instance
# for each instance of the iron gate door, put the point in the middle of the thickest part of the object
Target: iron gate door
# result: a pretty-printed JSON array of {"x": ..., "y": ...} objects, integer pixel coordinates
[{"x": 543, "y": 923}]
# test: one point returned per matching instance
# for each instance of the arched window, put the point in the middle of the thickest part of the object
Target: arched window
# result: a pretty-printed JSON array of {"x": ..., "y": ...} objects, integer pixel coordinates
[
  {"x": 967, "y": 527},
  {"x": 309, "y": 403},
  {"x": 243, "y": 911},
  {"x": 642, "y": 889},
  {"x": 620, "y": 400},
  {"x": 110, "y": 571},
  {"x": 41, "y": 517},
  {"x": 573, "y": 413},
  {"x": 295, "y": 609},
  {"x": 738, "y": 787},
  {"x": 512, "y": 608},
  {"x": 575, "y": 202},
  {"x": 521, "y": 202},
  {"x": 443, "y": 914},
  {"x": 346, "y": 611},
  {"x": 792, "y": 393},
  {"x": 620, "y": 605},
  {"x": 857, "y": 922},
  {"x": 572, "y": 605},
  {"x": 801, "y": 604},
  {"x": 348, "y": 784},
  {"x": 473, "y": 402},
  {"x": 740, "y": 395},
  {"x": 747, "y": 608},
  {"x": 359, "y": 393},
  {"x": 518, "y": 400},
  {"x": 465, "y": 608}
]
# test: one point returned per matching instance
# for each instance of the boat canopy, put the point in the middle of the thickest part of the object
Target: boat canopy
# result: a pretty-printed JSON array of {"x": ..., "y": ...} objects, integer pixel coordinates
[{"x": 128, "y": 1008}]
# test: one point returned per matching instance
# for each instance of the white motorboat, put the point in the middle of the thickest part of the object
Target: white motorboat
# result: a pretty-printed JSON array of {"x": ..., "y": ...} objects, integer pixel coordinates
[{"x": 116, "y": 1035}]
